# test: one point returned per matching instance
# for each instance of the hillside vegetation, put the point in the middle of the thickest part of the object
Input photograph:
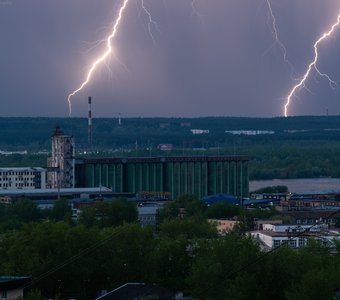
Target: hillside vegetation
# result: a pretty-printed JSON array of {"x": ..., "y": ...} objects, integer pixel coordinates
[{"x": 293, "y": 147}]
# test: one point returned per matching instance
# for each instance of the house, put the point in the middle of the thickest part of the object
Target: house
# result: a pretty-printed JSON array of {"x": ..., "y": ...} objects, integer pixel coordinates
[{"x": 12, "y": 287}]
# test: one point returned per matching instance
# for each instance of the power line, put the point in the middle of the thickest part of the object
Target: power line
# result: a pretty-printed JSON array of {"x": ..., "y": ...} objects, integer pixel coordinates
[{"x": 71, "y": 259}]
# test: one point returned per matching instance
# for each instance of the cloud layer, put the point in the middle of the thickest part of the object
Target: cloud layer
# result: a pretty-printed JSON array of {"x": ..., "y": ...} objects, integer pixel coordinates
[{"x": 217, "y": 59}]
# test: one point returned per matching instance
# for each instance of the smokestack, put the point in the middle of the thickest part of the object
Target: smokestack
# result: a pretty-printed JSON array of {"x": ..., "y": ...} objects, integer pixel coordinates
[
  {"x": 89, "y": 128},
  {"x": 119, "y": 120}
]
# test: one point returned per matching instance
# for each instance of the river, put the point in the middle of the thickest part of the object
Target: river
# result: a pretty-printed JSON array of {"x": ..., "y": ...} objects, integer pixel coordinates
[{"x": 300, "y": 186}]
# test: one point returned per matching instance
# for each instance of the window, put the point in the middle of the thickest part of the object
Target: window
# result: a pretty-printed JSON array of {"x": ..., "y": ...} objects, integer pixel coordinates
[
  {"x": 276, "y": 243},
  {"x": 3, "y": 294},
  {"x": 292, "y": 243},
  {"x": 302, "y": 242}
]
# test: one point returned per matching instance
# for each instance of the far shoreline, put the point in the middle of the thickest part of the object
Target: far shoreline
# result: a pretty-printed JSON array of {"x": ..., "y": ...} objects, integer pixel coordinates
[{"x": 300, "y": 185}]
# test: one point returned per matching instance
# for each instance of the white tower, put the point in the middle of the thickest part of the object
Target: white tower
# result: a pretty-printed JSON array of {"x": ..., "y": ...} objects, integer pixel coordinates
[{"x": 62, "y": 159}]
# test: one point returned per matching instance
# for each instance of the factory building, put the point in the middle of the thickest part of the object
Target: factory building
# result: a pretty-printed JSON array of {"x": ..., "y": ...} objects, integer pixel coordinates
[
  {"x": 155, "y": 176},
  {"x": 22, "y": 178},
  {"x": 197, "y": 175},
  {"x": 61, "y": 164}
]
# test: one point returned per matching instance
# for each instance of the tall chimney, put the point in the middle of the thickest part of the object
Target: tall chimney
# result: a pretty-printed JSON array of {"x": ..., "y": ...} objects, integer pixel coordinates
[{"x": 89, "y": 128}]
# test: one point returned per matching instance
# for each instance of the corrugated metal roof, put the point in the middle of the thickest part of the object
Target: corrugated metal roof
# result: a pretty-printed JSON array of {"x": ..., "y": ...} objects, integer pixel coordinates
[{"x": 17, "y": 192}]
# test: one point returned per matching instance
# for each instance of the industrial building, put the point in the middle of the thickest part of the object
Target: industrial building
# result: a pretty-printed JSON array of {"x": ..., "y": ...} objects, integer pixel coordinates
[
  {"x": 61, "y": 162},
  {"x": 197, "y": 175},
  {"x": 10, "y": 196},
  {"x": 158, "y": 176},
  {"x": 22, "y": 178}
]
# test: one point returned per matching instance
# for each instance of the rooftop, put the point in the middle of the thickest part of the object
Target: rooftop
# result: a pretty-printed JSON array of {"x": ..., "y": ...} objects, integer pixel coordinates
[
  {"x": 13, "y": 282},
  {"x": 19, "y": 169},
  {"x": 24, "y": 192},
  {"x": 161, "y": 159}
]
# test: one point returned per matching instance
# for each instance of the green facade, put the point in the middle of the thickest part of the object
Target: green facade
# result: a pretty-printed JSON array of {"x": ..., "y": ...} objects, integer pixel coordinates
[{"x": 200, "y": 176}]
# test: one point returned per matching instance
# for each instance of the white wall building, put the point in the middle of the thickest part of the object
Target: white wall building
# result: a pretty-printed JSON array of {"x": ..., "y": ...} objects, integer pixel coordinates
[
  {"x": 250, "y": 132},
  {"x": 295, "y": 236},
  {"x": 200, "y": 131},
  {"x": 22, "y": 178},
  {"x": 147, "y": 215}
]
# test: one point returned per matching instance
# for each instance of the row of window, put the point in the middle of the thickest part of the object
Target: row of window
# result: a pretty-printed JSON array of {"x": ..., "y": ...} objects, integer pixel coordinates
[
  {"x": 316, "y": 220},
  {"x": 20, "y": 184},
  {"x": 147, "y": 218},
  {"x": 6, "y": 173},
  {"x": 16, "y": 179},
  {"x": 293, "y": 243}
]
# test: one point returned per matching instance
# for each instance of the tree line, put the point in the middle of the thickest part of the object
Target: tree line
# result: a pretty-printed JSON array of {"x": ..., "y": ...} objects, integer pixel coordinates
[
  {"x": 296, "y": 149},
  {"x": 182, "y": 253}
]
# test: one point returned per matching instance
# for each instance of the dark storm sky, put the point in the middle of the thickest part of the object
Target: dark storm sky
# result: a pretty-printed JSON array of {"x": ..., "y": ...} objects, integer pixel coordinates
[{"x": 217, "y": 61}]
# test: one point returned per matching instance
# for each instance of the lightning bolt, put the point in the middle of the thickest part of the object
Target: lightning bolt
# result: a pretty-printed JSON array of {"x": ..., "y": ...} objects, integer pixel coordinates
[
  {"x": 277, "y": 40},
  {"x": 313, "y": 65},
  {"x": 151, "y": 22},
  {"x": 103, "y": 57},
  {"x": 194, "y": 8}
]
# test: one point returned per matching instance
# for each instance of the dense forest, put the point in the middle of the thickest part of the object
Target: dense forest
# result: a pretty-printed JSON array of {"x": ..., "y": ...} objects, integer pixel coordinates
[
  {"x": 107, "y": 248},
  {"x": 293, "y": 147}
]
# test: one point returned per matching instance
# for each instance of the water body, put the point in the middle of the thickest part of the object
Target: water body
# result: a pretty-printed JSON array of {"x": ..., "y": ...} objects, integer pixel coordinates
[{"x": 308, "y": 185}]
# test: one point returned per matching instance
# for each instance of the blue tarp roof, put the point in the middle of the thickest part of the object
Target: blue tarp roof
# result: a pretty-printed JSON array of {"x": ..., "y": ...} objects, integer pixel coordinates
[{"x": 220, "y": 198}]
